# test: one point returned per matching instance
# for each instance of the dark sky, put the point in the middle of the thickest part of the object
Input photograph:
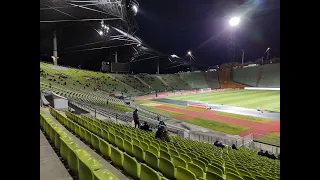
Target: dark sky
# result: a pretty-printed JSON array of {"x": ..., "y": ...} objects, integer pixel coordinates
[{"x": 176, "y": 26}]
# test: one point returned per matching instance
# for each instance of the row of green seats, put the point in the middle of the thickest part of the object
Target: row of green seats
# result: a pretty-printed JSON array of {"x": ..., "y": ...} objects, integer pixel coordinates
[{"x": 80, "y": 161}]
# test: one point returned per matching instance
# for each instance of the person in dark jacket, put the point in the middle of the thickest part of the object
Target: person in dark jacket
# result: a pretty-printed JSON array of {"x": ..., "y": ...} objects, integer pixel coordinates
[
  {"x": 261, "y": 153},
  {"x": 234, "y": 147},
  {"x": 136, "y": 118},
  {"x": 159, "y": 133},
  {"x": 145, "y": 127}
]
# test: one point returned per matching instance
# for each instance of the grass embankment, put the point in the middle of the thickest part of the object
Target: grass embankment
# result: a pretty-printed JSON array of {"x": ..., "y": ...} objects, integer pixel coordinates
[
  {"x": 217, "y": 125},
  {"x": 272, "y": 138},
  {"x": 244, "y": 117}
]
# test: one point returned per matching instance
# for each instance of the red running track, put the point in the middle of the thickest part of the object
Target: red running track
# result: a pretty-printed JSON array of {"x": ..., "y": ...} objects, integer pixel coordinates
[{"x": 256, "y": 127}]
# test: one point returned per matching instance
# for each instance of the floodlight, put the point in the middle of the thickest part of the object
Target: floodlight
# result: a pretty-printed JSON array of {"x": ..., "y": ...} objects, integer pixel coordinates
[
  {"x": 135, "y": 9},
  {"x": 189, "y": 53},
  {"x": 234, "y": 21},
  {"x": 101, "y": 32}
]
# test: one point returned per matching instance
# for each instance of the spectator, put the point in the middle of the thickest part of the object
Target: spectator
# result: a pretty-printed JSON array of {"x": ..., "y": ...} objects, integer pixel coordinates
[
  {"x": 261, "y": 153},
  {"x": 221, "y": 144},
  {"x": 234, "y": 147},
  {"x": 159, "y": 132},
  {"x": 272, "y": 156},
  {"x": 145, "y": 127},
  {"x": 166, "y": 136},
  {"x": 161, "y": 123},
  {"x": 266, "y": 154},
  {"x": 136, "y": 118}
]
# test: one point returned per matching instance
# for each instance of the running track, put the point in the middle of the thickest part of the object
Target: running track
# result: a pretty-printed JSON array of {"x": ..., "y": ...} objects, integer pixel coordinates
[{"x": 256, "y": 127}]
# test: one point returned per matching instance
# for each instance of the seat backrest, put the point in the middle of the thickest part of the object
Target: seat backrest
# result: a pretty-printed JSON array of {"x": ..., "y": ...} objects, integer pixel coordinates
[
  {"x": 200, "y": 164},
  {"x": 167, "y": 168},
  {"x": 215, "y": 169},
  {"x": 213, "y": 176},
  {"x": 104, "y": 148},
  {"x": 177, "y": 161},
  {"x": 135, "y": 142},
  {"x": 173, "y": 152},
  {"x": 184, "y": 174},
  {"x": 197, "y": 170},
  {"x": 112, "y": 138},
  {"x": 95, "y": 141},
  {"x": 232, "y": 176},
  {"x": 138, "y": 153},
  {"x": 154, "y": 150},
  {"x": 191, "y": 155},
  {"x": 243, "y": 172},
  {"x": 88, "y": 137},
  {"x": 128, "y": 138},
  {"x": 116, "y": 157},
  {"x": 144, "y": 146},
  {"x": 185, "y": 157},
  {"x": 151, "y": 160},
  {"x": 103, "y": 174},
  {"x": 148, "y": 174},
  {"x": 131, "y": 166},
  {"x": 127, "y": 146},
  {"x": 164, "y": 154},
  {"x": 245, "y": 177},
  {"x": 119, "y": 142}
]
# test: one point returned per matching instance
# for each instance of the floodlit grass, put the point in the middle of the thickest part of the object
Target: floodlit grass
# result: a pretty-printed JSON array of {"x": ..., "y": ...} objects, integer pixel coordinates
[
  {"x": 162, "y": 111},
  {"x": 268, "y": 100},
  {"x": 172, "y": 105},
  {"x": 272, "y": 138},
  {"x": 244, "y": 117},
  {"x": 217, "y": 125}
]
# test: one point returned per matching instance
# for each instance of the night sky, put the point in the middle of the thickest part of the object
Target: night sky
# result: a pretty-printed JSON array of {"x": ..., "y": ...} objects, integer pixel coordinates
[{"x": 176, "y": 26}]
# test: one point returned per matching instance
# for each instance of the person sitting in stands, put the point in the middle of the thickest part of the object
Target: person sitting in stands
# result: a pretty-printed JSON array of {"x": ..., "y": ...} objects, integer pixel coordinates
[
  {"x": 216, "y": 143},
  {"x": 234, "y": 147},
  {"x": 160, "y": 121},
  {"x": 159, "y": 132},
  {"x": 272, "y": 156},
  {"x": 266, "y": 154},
  {"x": 221, "y": 144},
  {"x": 166, "y": 136},
  {"x": 145, "y": 127},
  {"x": 261, "y": 153}
]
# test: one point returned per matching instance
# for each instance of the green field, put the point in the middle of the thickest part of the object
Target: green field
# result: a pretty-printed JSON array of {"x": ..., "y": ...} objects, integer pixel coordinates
[
  {"x": 270, "y": 138},
  {"x": 217, "y": 125},
  {"x": 268, "y": 100},
  {"x": 244, "y": 117}
]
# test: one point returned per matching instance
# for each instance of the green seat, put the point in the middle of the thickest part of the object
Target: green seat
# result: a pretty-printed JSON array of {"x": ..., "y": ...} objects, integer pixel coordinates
[
  {"x": 151, "y": 160},
  {"x": 128, "y": 148},
  {"x": 215, "y": 169},
  {"x": 105, "y": 135},
  {"x": 167, "y": 168},
  {"x": 59, "y": 132},
  {"x": 242, "y": 172},
  {"x": 116, "y": 157},
  {"x": 184, "y": 174},
  {"x": 231, "y": 176},
  {"x": 119, "y": 143},
  {"x": 234, "y": 171},
  {"x": 154, "y": 150},
  {"x": 128, "y": 138},
  {"x": 82, "y": 133},
  {"x": 148, "y": 174},
  {"x": 204, "y": 160},
  {"x": 131, "y": 166},
  {"x": 177, "y": 161},
  {"x": 185, "y": 157},
  {"x": 245, "y": 177},
  {"x": 164, "y": 154},
  {"x": 196, "y": 169},
  {"x": 173, "y": 152},
  {"x": 218, "y": 166},
  {"x": 64, "y": 140},
  {"x": 144, "y": 146},
  {"x": 200, "y": 164},
  {"x": 138, "y": 153},
  {"x": 103, "y": 174},
  {"x": 76, "y": 129},
  {"x": 260, "y": 178},
  {"x": 86, "y": 167},
  {"x": 88, "y": 137},
  {"x": 95, "y": 142},
  {"x": 99, "y": 131},
  {"x": 213, "y": 176},
  {"x": 112, "y": 139},
  {"x": 73, "y": 160},
  {"x": 104, "y": 148}
]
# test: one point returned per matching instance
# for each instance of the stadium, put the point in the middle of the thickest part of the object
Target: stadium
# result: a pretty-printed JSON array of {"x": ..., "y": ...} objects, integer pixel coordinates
[{"x": 95, "y": 72}]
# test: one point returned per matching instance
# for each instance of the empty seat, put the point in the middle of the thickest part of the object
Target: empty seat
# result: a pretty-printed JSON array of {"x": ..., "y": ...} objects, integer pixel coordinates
[
  {"x": 104, "y": 148},
  {"x": 112, "y": 138},
  {"x": 177, "y": 161},
  {"x": 213, "y": 176},
  {"x": 231, "y": 176},
  {"x": 200, "y": 164},
  {"x": 154, "y": 150},
  {"x": 116, "y": 157},
  {"x": 173, "y": 152},
  {"x": 215, "y": 169},
  {"x": 103, "y": 174},
  {"x": 144, "y": 146},
  {"x": 164, "y": 154},
  {"x": 184, "y": 174},
  {"x": 86, "y": 167},
  {"x": 131, "y": 166},
  {"x": 138, "y": 153},
  {"x": 105, "y": 135},
  {"x": 119, "y": 142},
  {"x": 95, "y": 142},
  {"x": 128, "y": 148},
  {"x": 197, "y": 170},
  {"x": 151, "y": 160},
  {"x": 185, "y": 157},
  {"x": 148, "y": 174},
  {"x": 245, "y": 177},
  {"x": 167, "y": 168},
  {"x": 88, "y": 137}
]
